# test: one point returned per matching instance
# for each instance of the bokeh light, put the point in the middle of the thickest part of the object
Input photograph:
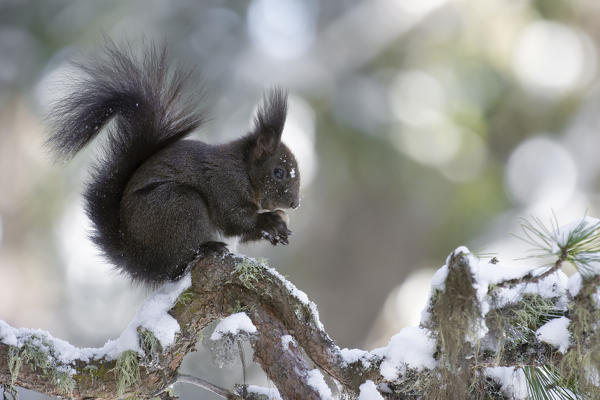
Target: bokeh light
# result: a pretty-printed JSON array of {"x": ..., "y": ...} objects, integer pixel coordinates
[
  {"x": 541, "y": 171},
  {"x": 434, "y": 143},
  {"x": 282, "y": 28},
  {"x": 417, "y": 98},
  {"x": 299, "y": 136},
  {"x": 550, "y": 56}
]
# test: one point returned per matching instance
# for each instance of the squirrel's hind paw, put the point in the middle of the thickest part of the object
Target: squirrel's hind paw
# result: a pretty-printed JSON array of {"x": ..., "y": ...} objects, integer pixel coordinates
[{"x": 212, "y": 248}]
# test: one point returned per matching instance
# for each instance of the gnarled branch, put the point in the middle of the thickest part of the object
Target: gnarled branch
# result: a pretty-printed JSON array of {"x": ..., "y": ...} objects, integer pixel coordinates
[{"x": 467, "y": 339}]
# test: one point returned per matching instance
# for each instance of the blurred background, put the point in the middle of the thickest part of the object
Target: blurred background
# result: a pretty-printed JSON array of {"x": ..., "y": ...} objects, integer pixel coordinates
[{"x": 419, "y": 125}]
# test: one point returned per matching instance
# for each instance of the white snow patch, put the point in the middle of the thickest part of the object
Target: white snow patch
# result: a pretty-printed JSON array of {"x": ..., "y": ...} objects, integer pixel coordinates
[
  {"x": 596, "y": 297},
  {"x": 353, "y": 355},
  {"x": 316, "y": 381},
  {"x": 7, "y": 334},
  {"x": 64, "y": 352},
  {"x": 512, "y": 381},
  {"x": 271, "y": 393},
  {"x": 299, "y": 294},
  {"x": 460, "y": 249},
  {"x": 410, "y": 348},
  {"x": 152, "y": 315},
  {"x": 554, "y": 285},
  {"x": 439, "y": 278},
  {"x": 556, "y": 333},
  {"x": 286, "y": 340},
  {"x": 232, "y": 325},
  {"x": 368, "y": 391},
  {"x": 438, "y": 282},
  {"x": 575, "y": 283},
  {"x": 293, "y": 173}
]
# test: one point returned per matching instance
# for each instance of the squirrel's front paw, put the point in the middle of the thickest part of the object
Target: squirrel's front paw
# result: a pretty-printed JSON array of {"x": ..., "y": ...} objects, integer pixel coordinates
[{"x": 273, "y": 228}]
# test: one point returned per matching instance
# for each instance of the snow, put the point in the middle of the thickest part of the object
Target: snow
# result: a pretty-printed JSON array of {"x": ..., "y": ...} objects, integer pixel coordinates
[
  {"x": 293, "y": 173},
  {"x": 556, "y": 333},
  {"x": 439, "y": 278},
  {"x": 286, "y": 340},
  {"x": 512, "y": 381},
  {"x": 152, "y": 315},
  {"x": 486, "y": 274},
  {"x": 316, "y": 381},
  {"x": 300, "y": 295},
  {"x": 368, "y": 391},
  {"x": 8, "y": 335},
  {"x": 64, "y": 353},
  {"x": 438, "y": 282},
  {"x": 233, "y": 325},
  {"x": 554, "y": 285},
  {"x": 271, "y": 393},
  {"x": 460, "y": 249},
  {"x": 351, "y": 356},
  {"x": 410, "y": 348},
  {"x": 574, "y": 285}
]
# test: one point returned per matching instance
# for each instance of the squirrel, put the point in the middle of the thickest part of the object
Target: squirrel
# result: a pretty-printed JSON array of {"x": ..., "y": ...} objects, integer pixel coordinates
[{"x": 156, "y": 200}]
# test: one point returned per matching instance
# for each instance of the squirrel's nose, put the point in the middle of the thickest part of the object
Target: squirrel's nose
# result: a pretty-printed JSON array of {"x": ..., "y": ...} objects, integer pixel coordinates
[{"x": 294, "y": 204}]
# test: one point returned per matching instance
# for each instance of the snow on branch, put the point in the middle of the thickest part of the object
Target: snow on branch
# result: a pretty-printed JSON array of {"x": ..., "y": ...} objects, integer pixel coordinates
[{"x": 489, "y": 330}]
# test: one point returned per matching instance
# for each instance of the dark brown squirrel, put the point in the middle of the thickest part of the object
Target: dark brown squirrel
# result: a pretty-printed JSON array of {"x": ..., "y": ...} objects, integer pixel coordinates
[{"x": 157, "y": 201}]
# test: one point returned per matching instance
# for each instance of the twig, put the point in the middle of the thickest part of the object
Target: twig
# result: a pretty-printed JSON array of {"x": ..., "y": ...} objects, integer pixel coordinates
[
  {"x": 530, "y": 278},
  {"x": 192, "y": 380},
  {"x": 243, "y": 360}
]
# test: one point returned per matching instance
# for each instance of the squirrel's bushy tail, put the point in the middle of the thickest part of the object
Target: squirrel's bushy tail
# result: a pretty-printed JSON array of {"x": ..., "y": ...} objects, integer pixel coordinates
[{"x": 151, "y": 106}]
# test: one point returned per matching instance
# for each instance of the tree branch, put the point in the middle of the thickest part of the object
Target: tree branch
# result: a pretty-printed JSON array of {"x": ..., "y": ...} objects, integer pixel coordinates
[{"x": 222, "y": 285}]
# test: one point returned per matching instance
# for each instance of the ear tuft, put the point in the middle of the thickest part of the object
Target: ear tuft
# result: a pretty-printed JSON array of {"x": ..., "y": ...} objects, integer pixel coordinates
[{"x": 269, "y": 122}]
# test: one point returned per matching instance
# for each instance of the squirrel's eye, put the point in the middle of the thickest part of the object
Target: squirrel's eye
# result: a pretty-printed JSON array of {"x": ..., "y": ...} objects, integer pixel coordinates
[{"x": 278, "y": 173}]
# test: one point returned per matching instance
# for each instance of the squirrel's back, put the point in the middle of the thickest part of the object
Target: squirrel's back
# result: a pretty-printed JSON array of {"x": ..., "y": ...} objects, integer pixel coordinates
[{"x": 151, "y": 105}]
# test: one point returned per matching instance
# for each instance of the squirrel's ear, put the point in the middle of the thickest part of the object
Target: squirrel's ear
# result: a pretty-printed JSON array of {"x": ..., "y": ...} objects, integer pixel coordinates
[{"x": 269, "y": 122}]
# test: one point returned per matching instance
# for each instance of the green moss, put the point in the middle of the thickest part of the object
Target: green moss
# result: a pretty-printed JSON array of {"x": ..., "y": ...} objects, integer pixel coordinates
[
  {"x": 455, "y": 320},
  {"x": 90, "y": 374},
  {"x": 149, "y": 344},
  {"x": 249, "y": 272},
  {"x": 185, "y": 298},
  {"x": 516, "y": 324},
  {"x": 577, "y": 363},
  {"x": 482, "y": 387},
  {"x": 533, "y": 311},
  {"x": 39, "y": 354},
  {"x": 14, "y": 363},
  {"x": 63, "y": 381},
  {"x": 236, "y": 307},
  {"x": 127, "y": 371},
  {"x": 35, "y": 352}
]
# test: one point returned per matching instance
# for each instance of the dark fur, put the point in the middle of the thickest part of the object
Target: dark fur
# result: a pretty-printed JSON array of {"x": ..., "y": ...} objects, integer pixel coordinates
[{"x": 156, "y": 200}]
